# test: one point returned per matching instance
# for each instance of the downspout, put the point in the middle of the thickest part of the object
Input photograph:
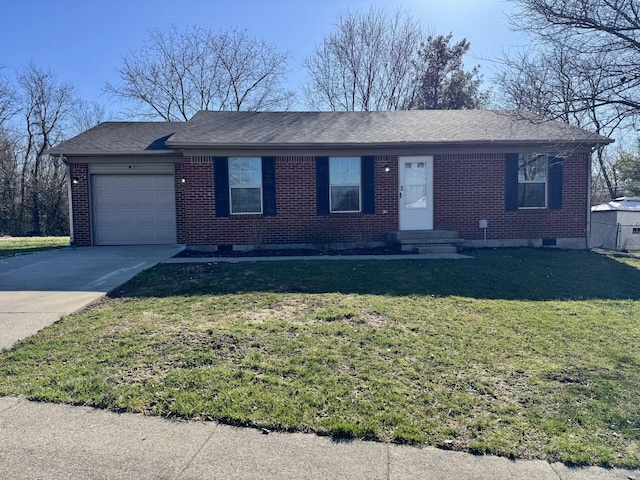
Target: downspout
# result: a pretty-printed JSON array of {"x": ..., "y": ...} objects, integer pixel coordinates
[{"x": 69, "y": 185}]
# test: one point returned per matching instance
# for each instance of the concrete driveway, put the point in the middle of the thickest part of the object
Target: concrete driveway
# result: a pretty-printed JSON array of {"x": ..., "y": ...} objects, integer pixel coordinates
[{"x": 37, "y": 289}]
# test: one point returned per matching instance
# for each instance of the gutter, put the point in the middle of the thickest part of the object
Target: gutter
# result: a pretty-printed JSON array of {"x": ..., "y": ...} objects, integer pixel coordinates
[
  {"x": 552, "y": 144},
  {"x": 102, "y": 153}
]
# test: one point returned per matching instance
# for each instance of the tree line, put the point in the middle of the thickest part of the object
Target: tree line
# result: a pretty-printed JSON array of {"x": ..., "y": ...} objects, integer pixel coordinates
[
  {"x": 37, "y": 111},
  {"x": 581, "y": 65},
  {"x": 372, "y": 60}
]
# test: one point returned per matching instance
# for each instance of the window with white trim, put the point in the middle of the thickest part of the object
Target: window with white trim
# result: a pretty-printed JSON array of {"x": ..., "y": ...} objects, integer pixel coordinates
[
  {"x": 344, "y": 184},
  {"x": 245, "y": 185},
  {"x": 532, "y": 180}
]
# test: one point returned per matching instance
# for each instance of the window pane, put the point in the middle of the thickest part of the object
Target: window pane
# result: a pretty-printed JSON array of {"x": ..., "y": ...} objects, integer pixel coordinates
[
  {"x": 532, "y": 168},
  {"x": 256, "y": 175},
  {"x": 345, "y": 199},
  {"x": 415, "y": 196},
  {"x": 235, "y": 171},
  {"x": 246, "y": 200},
  {"x": 245, "y": 172},
  {"x": 531, "y": 195},
  {"x": 415, "y": 174},
  {"x": 234, "y": 177},
  {"x": 344, "y": 170}
]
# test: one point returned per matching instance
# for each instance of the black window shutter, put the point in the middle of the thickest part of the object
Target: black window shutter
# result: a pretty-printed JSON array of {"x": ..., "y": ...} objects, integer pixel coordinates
[
  {"x": 221, "y": 184},
  {"x": 511, "y": 182},
  {"x": 555, "y": 183},
  {"x": 322, "y": 185},
  {"x": 368, "y": 185},
  {"x": 269, "y": 186}
]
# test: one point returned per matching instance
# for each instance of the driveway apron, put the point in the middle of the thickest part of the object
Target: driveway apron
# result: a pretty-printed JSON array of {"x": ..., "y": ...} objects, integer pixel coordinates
[{"x": 37, "y": 289}]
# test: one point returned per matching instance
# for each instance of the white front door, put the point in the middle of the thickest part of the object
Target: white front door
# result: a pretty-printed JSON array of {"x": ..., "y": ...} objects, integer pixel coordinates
[{"x": 416, "y": 192}]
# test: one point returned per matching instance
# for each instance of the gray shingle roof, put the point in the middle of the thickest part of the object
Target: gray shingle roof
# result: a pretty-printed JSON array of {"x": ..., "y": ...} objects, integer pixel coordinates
[
  {"x": 120, "y": 138},
  {"x": 316, "y": 129},
  {"x": 415, "y": 126}
]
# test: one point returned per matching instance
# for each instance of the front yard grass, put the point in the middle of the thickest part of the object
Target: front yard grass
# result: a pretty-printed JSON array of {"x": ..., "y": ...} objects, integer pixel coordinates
[
  {"x": 521, "y": 353},
  {"x": 10, "y": 246}
]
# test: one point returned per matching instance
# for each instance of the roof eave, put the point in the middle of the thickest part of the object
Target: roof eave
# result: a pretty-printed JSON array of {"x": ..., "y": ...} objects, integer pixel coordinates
[
  {"x": 465, "y": 144},
  {"x": 102, "y": 153}
]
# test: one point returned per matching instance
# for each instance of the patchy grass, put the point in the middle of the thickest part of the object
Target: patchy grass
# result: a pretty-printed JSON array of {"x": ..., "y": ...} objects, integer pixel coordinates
[
  {"x": 10, "y": 246},
  {"x": 521, "y": 353}
]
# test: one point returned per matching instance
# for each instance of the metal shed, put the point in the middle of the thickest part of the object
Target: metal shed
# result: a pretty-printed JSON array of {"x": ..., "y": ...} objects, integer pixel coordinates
[{"x": 616, "y": 225}]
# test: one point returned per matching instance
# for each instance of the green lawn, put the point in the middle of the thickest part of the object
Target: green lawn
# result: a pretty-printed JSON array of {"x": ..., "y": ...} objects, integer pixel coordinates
[
  {"x": 10, "y": 246},
  {"x": 516, "y": 352}
]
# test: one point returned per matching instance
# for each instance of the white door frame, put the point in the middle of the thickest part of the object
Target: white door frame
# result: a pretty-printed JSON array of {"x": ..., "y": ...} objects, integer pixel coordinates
[{"x": 415, "y": 213}]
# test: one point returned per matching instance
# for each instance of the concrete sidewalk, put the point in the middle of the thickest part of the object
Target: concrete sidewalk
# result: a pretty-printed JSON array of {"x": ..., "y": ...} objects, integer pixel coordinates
[{"x": 46, "y": 441}]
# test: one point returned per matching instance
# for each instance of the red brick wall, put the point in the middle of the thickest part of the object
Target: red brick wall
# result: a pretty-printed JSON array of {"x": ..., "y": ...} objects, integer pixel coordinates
[
  {"x": 181, "y": 233},
  {"x": 471, "y": 187},
  {"x": 81, "y": 204},
  {"x": 296, "y": 220}
]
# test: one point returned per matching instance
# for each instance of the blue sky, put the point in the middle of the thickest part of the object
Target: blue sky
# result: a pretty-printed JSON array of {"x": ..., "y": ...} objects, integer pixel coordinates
[{"x": 84, "y": 41}]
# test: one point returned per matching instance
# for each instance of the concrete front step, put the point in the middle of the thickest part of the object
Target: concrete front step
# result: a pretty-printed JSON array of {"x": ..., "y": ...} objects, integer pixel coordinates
[
  {"x": 426, "y": 241},
  {"x": 431, "y": 241},
  {"x": 433, "y": 248},
  {"x": 414, "y": 236}
]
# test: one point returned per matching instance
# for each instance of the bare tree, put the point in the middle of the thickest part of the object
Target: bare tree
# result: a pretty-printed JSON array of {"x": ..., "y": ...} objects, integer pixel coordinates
[
  {"x": 9, "y": 184},
  {"x": 7, "y": 100},
  {"x": 45, "y": 105},
  {"x": 368, "y": 62},
  {"x": 86, "y": 115},
  {"x": 604, "y": 38},
  {"x": 177, "y": 73},
  {"x": 582, "y": 67},
  {"x": 443, "y": 82},
  {"x": 556, "y": 85}
]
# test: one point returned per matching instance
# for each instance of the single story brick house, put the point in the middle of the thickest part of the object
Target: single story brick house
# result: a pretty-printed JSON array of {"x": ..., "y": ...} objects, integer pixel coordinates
[{"x": 266, "y": 179}]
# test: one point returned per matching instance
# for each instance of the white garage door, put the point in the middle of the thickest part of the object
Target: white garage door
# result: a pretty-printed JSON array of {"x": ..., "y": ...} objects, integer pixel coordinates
[{"x": 133, "y": 209}]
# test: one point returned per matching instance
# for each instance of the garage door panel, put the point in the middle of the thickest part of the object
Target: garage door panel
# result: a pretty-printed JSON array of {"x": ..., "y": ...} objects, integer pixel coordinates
[
  {"x": 104, "y": 182},
  {"x": 147, "y": 218},
  {"x": 103, "y": 200},
  {"x": 165, "y": 200},
  {"x": 124, "y": 200},
  {"x": 165, "y": 218},
  {"x": 133, "y": 209},
  {"x": 106, "y": 217},
  {"x": 125, "y": 219},
  {"x": 167, "y": 236},
  {"x": 115, "y": 237},
  {"x": 164, "y": 182},
  {"x": 147, "y": 200},
  {"x": 147, "y": 235}
]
